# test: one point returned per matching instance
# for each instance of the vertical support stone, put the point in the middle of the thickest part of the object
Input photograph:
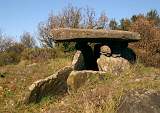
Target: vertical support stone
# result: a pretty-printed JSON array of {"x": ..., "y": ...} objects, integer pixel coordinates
[{"x": 78, "y": 61}]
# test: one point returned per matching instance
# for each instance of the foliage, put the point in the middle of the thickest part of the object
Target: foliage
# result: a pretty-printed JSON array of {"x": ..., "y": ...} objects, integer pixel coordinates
[
  {"x": 5, "y": 42},
  {"x": 39, "y": 54},
  {"x": 153, "y": 15},
  {"x": 11, "y": 55},
  {"x": 43, "y": 54},
  {"x": 148, "y": 26},
  {"x": 70, "y": 17},
  {"x": 125, "y": 24},
  {"x": 27, "y": 40},
  {"x": 150, "y": 43},
  {"x": 113, "y": 24}
]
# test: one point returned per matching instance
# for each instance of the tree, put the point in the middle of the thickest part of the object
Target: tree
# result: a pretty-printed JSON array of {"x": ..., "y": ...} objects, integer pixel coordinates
[
  {"x": 125, "y": 24},
  {"x": 27, "y": 40},
  {"x": 102, "y": 21},
  {"x": 113, "y": 24},
  {"x": 70, "y": 17},
  {"x": 5, "y": 42},
  {"x": 153, "y": 15},
  {"x": 89, "y": 18},
  {"x": 44, "y": 35}
]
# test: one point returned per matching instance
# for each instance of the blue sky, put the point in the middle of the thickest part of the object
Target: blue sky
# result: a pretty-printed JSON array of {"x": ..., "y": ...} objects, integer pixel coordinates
[{"x": 17, "y": 16}]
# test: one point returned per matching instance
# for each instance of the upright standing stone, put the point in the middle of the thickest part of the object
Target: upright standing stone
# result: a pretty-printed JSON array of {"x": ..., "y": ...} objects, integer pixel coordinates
[{"x": 112, "y": 64}]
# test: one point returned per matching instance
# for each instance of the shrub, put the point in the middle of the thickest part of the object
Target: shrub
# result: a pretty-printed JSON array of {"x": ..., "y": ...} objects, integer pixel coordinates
[
  {"x": 8, "y": 58},
  {"x": 39, "y": 54},
  {"x": 149, "y": 46},
  {"x": 12, "y": 55}
]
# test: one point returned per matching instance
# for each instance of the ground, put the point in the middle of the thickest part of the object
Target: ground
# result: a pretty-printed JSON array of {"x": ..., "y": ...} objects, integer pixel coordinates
[
  {"x": 17, "y": 78},
  {"x": 94, "y": 97}
]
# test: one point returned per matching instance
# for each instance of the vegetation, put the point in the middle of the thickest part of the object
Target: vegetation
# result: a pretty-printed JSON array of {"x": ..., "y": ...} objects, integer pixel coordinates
[
  {"x": 70, "y": 17},
  {"x": 32, "y": 63},
  {"x": 14, "y": 81},
  {"x": 94, "y": 96},
  {"x": 27, "y": 40},
  {"x": 148, "y": 26}
]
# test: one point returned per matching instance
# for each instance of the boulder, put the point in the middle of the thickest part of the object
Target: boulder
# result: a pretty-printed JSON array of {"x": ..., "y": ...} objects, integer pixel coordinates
[
  {"x": 52, "y": 85},
  {"x": 140, "y": 101},
  {"x": 114, "y": 65},
  {"x": 77, "y": 79}
]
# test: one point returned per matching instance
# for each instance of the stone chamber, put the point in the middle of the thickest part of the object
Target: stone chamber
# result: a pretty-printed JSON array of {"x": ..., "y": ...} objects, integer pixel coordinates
[{"x": 84, "y": 64}]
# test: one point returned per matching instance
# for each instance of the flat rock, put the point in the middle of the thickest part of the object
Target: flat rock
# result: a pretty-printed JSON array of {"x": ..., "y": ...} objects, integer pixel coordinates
[
  {"x": 93, "y": 35},
  {"x": 53, "y": 85}
]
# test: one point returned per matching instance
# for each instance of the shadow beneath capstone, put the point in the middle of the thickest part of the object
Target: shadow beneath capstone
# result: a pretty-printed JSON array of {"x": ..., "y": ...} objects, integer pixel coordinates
[
  {"x": 90, "y": 60},
  {"x": 129, "y": 54}
]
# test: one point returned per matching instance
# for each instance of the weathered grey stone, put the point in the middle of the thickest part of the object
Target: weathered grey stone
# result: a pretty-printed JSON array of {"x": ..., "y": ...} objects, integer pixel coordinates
[
  {"x": 52, "y": 85},
  {"x": 140, "y": 101},
  {"x": 78, "y": 61},
  {"x": 92, "y": 35},
  {"x": 112, "y": 65},
  {"x": 77, "y": 79}
]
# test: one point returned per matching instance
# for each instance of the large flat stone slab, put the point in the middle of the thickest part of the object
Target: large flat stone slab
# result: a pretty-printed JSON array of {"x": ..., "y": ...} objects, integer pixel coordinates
[
  {"x": 91, "y": 35},
  {"x": 52, "y": 85}
]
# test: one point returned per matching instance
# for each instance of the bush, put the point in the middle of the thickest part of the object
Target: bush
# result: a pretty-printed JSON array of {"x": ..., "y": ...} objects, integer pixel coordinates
[
  {"x": 12, "y": 55},
  {"x": 149, "y": 46},
  {"x": 39, "y": 54},
  {"x": 8, "y": 58}
]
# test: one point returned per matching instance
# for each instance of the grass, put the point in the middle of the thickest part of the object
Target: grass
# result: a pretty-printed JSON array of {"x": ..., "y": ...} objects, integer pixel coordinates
[
  {"x": 105, "y": 97},
  {"x": 94, "y": 97},
  {"x": 17, "y": 78}
]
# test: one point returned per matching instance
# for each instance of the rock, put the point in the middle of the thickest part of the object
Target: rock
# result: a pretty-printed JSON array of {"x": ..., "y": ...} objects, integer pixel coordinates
[
  {"x": 52, "y": 85},
  {"x": 105, "y": 50},
  {"x": 92, "y": 35},
  {"x": 77, "y": 79},
  {"x": 78, "y": 61},
  {"x": 112, "y": 65},
  {"x": 140, "y": 101}
]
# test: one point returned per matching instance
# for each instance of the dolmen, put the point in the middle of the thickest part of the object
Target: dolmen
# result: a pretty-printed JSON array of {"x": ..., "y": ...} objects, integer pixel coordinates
[{"x": 98, "y": 52}]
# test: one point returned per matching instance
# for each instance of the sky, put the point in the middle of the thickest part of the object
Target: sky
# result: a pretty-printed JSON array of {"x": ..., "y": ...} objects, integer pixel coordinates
[{"x": 18, "y": 16}]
